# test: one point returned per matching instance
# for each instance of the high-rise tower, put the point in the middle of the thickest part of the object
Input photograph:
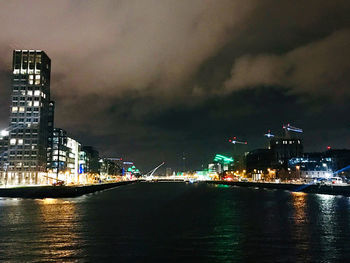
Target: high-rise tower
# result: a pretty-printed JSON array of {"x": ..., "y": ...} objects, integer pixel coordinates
[{"x": 31, "y": 115}]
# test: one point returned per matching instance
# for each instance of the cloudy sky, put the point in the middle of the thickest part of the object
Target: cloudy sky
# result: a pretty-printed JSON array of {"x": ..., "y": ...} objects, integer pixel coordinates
[{"x": 151, "y": 80}]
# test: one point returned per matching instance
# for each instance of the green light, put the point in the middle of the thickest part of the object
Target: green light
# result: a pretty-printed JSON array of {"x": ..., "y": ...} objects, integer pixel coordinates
[{"x": 223, "y": 159}]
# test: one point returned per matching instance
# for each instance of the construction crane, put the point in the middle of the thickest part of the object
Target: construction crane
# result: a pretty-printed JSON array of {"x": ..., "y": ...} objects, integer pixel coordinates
[
  {"x": 234, "y": 140},
  {"x": 269, "y": 134},
  {"x": 289, "y": 127}
]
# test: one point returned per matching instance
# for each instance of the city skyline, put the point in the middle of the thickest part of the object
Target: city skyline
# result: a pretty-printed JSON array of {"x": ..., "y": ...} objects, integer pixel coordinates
[{"x": 159, "y": 91}]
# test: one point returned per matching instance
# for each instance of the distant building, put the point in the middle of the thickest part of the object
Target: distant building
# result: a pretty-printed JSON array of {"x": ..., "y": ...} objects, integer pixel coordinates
[
  {"x": 111, "y": 166},
  {"x": 284, "y": 149},
  {"x": 168, "y": 171},
  {"x": 29, "y": 116},
  {"x": 259, "y": 161},
  {"x": 322, "y": 164},
  {"x": 92, "y": 159},
  {"x": 341, "y": 158},
  {"x": 312, "y": 165}
]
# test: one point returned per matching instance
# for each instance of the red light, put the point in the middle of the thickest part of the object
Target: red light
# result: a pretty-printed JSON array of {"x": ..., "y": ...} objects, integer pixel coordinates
[
  {"x": 234, "y": 138},
  {"x": 230, "y": 140},
  {"x": 328, "y": 147},
  {"x": 245, "y": 142}
]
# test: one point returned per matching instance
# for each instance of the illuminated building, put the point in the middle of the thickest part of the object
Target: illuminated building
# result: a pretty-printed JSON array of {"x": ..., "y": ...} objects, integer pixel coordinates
[
  {"x": 313, "y": 165},
  {"x": 323, "y": 164},
  {"x": 65, "y": 153},
  {"x": 4, "y": 140},
  {"x": 225, "y": 163},
  {"x": 29, "y": 116}
]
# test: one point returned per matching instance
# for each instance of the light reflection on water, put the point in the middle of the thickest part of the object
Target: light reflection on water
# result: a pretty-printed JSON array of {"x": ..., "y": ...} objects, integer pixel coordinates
[
  {"x": 60, "y": 228},
  {"x": 177, "y": 222},
  {"x": 45, "y": 230}
]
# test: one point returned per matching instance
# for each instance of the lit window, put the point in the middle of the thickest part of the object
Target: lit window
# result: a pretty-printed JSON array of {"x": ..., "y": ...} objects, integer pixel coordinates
[
  {"x": 21, "y": 109},
  {"x": 31, "y": 82},
  {"x": 37, "y": 77},
  {"x": 13, "y": 141},
  {"x": 37, "y": 81},
  {"x": 36, "y": 103},
  {"x": 31, "y": 77},
  {"x": 14, "y": 109},
  {"x": 29, "y": 103},
  {"x": 37, "y": 93},
  {"x": 30, "y": 93}
]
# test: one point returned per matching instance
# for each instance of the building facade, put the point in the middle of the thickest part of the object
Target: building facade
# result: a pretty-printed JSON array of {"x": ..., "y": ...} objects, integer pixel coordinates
[
  {"x": 92, "y": 159},
  {"x": 65, "y": 154},
  {"x": 284, "y": 149},
  {"x": 29, "y": 116}
]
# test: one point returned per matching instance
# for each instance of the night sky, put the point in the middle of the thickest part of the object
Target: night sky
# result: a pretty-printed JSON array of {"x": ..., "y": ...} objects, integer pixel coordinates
[{"x": 151, "y": 80}]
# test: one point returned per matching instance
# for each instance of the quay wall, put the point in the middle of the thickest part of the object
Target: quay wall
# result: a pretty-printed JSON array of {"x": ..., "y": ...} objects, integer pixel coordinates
[
  {"x": 306, "y": 188},
  {"x": 57, "y": 191}
]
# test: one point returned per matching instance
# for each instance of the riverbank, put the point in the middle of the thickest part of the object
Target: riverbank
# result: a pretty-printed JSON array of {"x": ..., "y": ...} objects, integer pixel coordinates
[
  {"x": 306, "y": 188},
  {"x": 57, "y": 191}
]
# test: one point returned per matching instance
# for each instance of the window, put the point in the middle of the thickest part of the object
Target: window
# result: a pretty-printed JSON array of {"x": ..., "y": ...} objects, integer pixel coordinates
[
  {"x": 14, "y": 109},
  {"x": 13, "y": 141},
  {"x": 37, "y": 93},
  {"x": 36, "y": 104}
]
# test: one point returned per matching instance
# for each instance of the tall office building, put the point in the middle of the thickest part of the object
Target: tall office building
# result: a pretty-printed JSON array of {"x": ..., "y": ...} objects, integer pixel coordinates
[{"x": 29, "y": 116}]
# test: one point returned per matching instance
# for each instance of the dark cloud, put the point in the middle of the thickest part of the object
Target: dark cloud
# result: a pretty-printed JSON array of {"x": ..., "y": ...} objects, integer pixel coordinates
[{"x": 151, "y": 80}]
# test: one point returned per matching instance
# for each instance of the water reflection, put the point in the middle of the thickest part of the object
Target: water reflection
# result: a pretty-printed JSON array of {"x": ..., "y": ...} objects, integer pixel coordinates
[
  {"x": 226, "y": 232},
  {"x": 300, "y": 231},
  {"x": 300, "y": 206},
  {"x": 59, "y": 239}
]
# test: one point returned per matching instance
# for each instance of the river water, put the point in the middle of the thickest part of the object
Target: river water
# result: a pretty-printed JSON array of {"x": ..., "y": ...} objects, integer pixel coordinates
[{"x": 177, "y": 222}]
